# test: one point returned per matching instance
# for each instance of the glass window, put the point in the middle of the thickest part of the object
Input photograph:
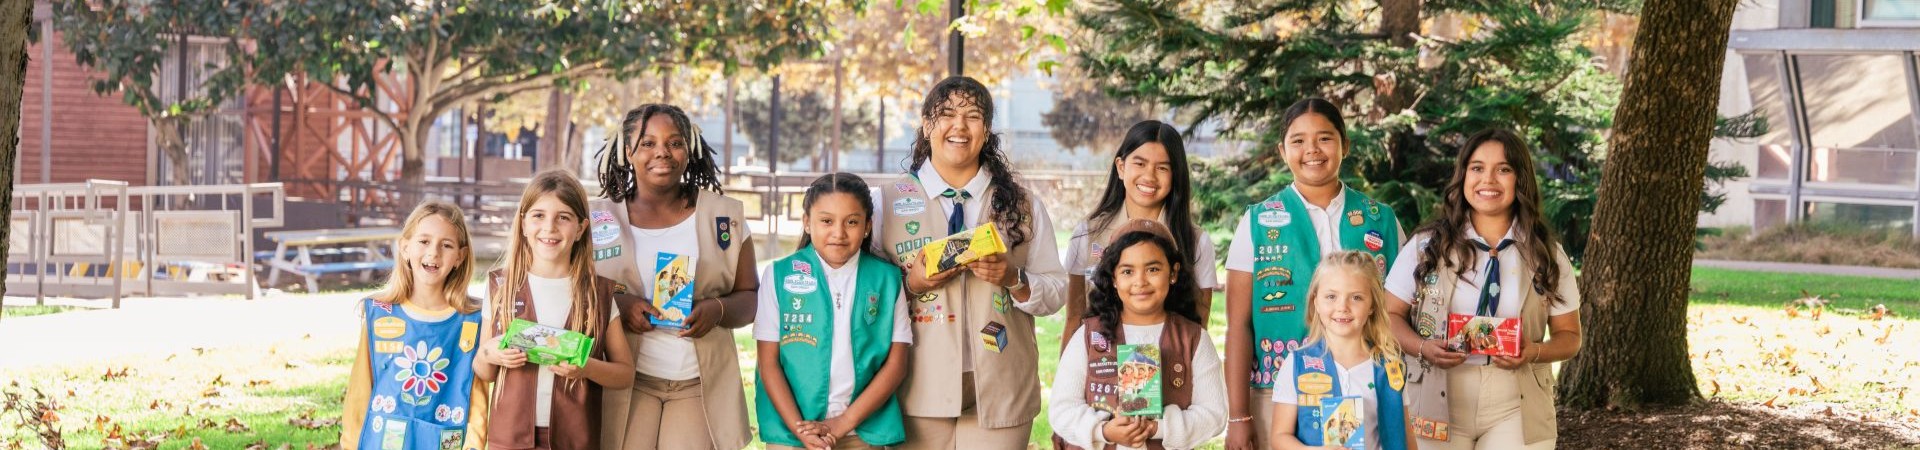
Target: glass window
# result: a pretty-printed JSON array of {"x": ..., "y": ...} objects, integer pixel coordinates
[
  {"x": 1769, "y": 213},
  {"x": 1858, "y": 108},
  {"x": 1861, "y": 166},
  {"x": 1763, "y": 84},
  {"x": 1878, "y": 217},
  {"x": 1890, "y": 10}
]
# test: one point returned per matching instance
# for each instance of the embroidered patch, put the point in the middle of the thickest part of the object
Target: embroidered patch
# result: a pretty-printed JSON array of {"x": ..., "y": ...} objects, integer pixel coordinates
[
  {"x": 1429, "y": 429},
  {"x": 1315, "y": 383},
  {"x": 387, "y": 307},
  {"x": 1314, "y": 363},
  {"x": 909, "y": 206},
  {"x": 724, "y": 227},
  {"x": 1099, "y": 340},
  {"x": 1275, "y": 218},
  {"x": 606, "y": 253},
  {"x": 452, "y": 439},
  {"x": 387, "y": 346},
  {"x": 913, "y": 227},
  {"x": 796, "y": 337},
  {"x": 1396, "y": 373},
  {"x": 802, "y": 267},
  {"x": 1275, "y": 204},
  {"x": 1000, "y": 302},
  {"x": 903, "y": 248},
  {"x": 1354, "y": 218},
  {"x": 389, "y": 327},
  {"x": 1270, "y": 309},
  {"x": 605, "y": 230},
  {"x": 905, "y": 187},
  {"x": 1276, "y": 296},
  {"x": 1373, "y": 209},
  {"x": 395, "y": 435},
  {"x": 1374, "y": 241},
  {"x": 1279, "y": 276},
  {"x": 1380, "y": 263},
  {"x": 800, "y": 284},
  {"x": 469, "y": 335},
  {"x": 1273, "y": 234}
]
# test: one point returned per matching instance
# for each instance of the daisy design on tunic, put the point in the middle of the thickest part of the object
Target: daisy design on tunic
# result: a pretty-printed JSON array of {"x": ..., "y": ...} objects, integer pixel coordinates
[{"x": 421, "y": 372}]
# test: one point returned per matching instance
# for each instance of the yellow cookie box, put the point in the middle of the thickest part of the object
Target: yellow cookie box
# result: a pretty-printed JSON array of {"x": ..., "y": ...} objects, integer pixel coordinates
[{"x": 961, "y": 248}]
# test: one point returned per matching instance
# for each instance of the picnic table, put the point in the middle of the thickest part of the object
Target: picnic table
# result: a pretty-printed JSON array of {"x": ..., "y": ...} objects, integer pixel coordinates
[{"x": 345, "y": 250}]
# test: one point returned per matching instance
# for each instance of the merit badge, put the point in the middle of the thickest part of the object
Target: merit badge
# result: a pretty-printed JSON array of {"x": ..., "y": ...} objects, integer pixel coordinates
[
  {"x": 1273, "y": 234},
  {"x": 908, "y": 206},
  {"x": 1354, "y": 218},
  {"x": 1000, "y": 302},
  {"x": 802, "y": 267},
  {"x": 1314, "y": 363},
  {"x": 724, "y": 225},
  {"x": 1374, "y": 241},
  {"x": 1099, "y": 340},
  {"x": 905, "y": 187},
  {"x": 1373, "y": 209},
  {"x": 913, "y": 227},
  {"x": 605, "y": 231}
]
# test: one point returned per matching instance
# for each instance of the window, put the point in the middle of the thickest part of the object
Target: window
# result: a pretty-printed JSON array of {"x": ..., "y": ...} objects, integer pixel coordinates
[
  {"x": 1876, "y": 13},
  {"x": 1776, "y": 147},
  {"x": 1769, "y": 213},
  {"x": 1859, "y": 119},
  {"x": 1876, "y": 217}
]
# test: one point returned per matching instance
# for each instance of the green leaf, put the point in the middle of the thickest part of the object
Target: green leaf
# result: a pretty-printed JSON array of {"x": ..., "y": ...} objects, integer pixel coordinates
[
  {"x": 929, "y": 6},
  {"x": 1026, "y": 32},
  {"x": 1048, "y": 66},
  {"x": 1059, "y": 43}
]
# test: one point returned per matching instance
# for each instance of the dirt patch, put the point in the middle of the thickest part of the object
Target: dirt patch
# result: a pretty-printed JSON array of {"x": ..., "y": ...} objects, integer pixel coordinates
[{"x": 1718, "y": 425}]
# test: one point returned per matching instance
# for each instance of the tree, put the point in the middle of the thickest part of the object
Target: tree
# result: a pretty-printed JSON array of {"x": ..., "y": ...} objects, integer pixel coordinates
[
  {"x": 806, "y": 125},
  {"x": 1635, "y": 284},
  {"x": 1083, "y": 117},
  {"x": 128, "y": 43},
  {"x": 1410, "y": 95},
  {"x": 446, "y": 54},
  {"x": 13, "y": 83}
]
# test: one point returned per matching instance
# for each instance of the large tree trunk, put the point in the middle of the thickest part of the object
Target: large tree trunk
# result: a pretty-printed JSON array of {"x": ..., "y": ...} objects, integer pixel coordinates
[
  {"x": 554, "y": 131},
  {"x": 173, "y": 144},
  {"x": 1634, "y": 286},
  {"x": 13, "y": 81},
  {"x": 413, "y": 167}
]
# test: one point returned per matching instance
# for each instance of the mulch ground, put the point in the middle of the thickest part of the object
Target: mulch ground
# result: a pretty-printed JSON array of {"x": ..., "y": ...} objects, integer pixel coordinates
[{"x": 1724, "y": 425}]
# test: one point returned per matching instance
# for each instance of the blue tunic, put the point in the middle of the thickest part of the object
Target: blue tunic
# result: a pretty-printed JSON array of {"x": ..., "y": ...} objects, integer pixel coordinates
[{"x": 422, "y": 379}]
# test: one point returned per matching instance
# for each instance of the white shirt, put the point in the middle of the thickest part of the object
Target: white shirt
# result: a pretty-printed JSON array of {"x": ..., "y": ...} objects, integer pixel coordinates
[
  {"x": 1354, "y": 381},
  {"x": 1080, "y": 424},
  {"x": 552, "y": 303},
  {"x": 666, "y": 355},
  {"x": 1079, "y": 262},
  {"x": 1326, "y": 226},
  {"x": 1466, "y": 295},
  {"x": 1046, "y": 278},
  {"x": 840, "y": 281}
]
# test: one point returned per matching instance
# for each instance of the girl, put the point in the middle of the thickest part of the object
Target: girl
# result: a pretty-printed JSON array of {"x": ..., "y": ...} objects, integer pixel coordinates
[
  {"x": 410, "y": 385},
  {"x": 1349, "y": 351},
  {"x": 547, "y": 278},
  {"x": 1149, "y": 181},
  {"x": 1142, "y": 295},
  {"x": 1278, "y": 241},
  {"x": 959, "y": 179},
  {"x": 660, "y": 194},
  {"x": 833, "y": 331},
  {"x": 1452, "y": 267}
]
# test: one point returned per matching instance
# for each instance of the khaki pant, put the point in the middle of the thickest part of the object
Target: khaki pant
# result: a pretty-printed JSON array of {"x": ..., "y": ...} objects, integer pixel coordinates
[
  {"x": 1260, "y": 405},
  {"x": 674, "y": 406},
  {"x": 948, "y": 433},
  {"x": 1485, "y": 403},
  {"x": 850, "y": 442}
]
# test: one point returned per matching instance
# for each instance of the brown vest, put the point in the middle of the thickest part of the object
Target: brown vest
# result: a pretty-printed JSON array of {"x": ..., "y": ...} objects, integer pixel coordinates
[
  {"x": 1097, "y": 242},
  {"x": 1176, "y": 353},
  {"x": 721, "y": 390},
  {"x": 948, "y": 321},
  {"x": 1427, "y": 385},
  {"x": 575, "y": 416}
]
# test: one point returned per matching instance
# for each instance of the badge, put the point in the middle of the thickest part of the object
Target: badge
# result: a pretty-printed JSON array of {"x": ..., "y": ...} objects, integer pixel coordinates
[
  {"x": 1380, "y": 264},
  {"x": 389, "y": 346},
  {"x": 1095, "y": 254},
  {"x": 388, "y": 307},
  {"x": 606, "y": 253},
  {"x": 1275, "y": 218},
  {"x": 1285, "y": 277},
  {"x": 1179, "y": 368},
  {"x": 798, "y": 302},
  {"x": 1315, "y": 383},
  {"x": 908, "y": 206},
  {"x": 1271, "y": 309},
  {"x": 995, "y": 336},
  {"x": 389, "y": 327},
  {"x": 802, "y": 267},
  {"x": 1374, "y": 241},
  {"x": 1275, "y": 296},
  {"x": 913, "y": 227},
  {"x": 1430, "y": 429},
  {"x": 724, "y": 225},
  {"x": 1273, "y": 234},
  {"x": 1396, "y": 373},
  {"x": 1099, "y": 340},
  {"x": 1274, "y": 204},
  {"x": 1354, "y": 218},
  {"x": 794, "y": 336},
  {"x": 873, "y": 307},
  {"x": 800, "y": 284},
  {"x": 905, "y": 187},
  {"x": 605, "y": 230},
  {"x": 1313, "y": 362},
  {"x": 469, "y": 335},
  {"x": 1373, "y": 209},
  {"x": 926, "y": 297},
  {"x": 1266, "y": 345},
  {"x": 1000, "y": 302},
  {"x": 1178, "y": 381}
]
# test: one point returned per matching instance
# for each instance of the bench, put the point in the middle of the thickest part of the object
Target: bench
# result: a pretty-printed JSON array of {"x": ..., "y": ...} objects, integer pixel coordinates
[{"x": 344, "y": 251}]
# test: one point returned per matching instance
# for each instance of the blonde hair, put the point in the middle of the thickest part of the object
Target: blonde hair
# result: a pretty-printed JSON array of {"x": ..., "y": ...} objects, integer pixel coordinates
[
  {"x": 454, "y": 288},
  {"x": 519, "y": 256},
  {"x": 1378, "y": 334}
]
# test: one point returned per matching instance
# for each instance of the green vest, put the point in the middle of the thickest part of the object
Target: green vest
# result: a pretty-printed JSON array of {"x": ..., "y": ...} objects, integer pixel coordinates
[
  {"x": 806, "y": 343},
  {"x": 1286, "y": 251}
]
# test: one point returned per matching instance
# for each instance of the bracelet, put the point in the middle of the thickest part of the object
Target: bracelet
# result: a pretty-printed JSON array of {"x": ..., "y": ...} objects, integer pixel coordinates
[
  {"x": 1423, "y": 350},
  {"x": 1240, "y": 419},
  {"x": 1536, "y": 357}
]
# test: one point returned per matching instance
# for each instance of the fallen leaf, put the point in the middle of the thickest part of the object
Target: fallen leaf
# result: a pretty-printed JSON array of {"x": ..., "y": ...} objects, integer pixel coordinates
[
  {"x": 234, "y": 426},
  {"x": 196, "y": 445}
]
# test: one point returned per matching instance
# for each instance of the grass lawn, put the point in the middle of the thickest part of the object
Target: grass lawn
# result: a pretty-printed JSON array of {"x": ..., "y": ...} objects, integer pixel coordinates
[
  {"x": 1773, "y": 290},
  {"x": 35, "y": 310}
]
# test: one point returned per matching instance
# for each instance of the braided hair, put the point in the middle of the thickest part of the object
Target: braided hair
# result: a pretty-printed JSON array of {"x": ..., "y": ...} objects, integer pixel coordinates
[
  {"x": 617, "y": 178},
  {"x": 1010, "y": 208}
]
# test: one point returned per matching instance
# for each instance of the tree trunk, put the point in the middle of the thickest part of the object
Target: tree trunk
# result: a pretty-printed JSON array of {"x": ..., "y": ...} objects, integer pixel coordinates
[
  {"x": 13, "y": 82},
  {"x": 413, "y": 167},
  {"x": 173, "y": 144},
  {"x": 554, "y": 131},
  {"x": 1634, "y": 286}
]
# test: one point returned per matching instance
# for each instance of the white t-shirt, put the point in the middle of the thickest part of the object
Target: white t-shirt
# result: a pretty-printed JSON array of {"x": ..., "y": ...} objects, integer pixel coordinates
[
  {"x": 1466, "y": 295},
  {"x": 1079, "y": 423},
  {"x": 665, "y": 354},
  {"x": 1326, "y": 226},
  {"x": 1080, "y": 263},
  {"x": 552, "y": 304},
  {"x": 1354, "y": 381},
  {"x": 840, "y": 282}
]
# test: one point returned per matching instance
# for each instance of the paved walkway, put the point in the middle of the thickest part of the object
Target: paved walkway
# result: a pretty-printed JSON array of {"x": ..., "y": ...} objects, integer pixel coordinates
[
  {"x": 169, "y": 325},
  {"x": 1817, "y": 269}
]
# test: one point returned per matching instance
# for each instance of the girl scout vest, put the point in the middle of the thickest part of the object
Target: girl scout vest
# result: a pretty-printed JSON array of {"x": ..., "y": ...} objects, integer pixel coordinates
[
  {"x": 1285, "y": 253},
  {"x": 422, "y": 379},
  {"x": 1317, "y": 381},
  {"x": 806, "y": 343},
  {"x": 1097, "y": 241},
  {"x": 574, "y": 419},
  {"x": 1103, "y": 368},
  {"x": 953, "y": 319},
  {"x": 718, "y": 220},
  {"x": 1427, "y": 389}
]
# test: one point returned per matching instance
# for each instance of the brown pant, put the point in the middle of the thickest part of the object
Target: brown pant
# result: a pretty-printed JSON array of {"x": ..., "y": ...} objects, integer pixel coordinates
[
  {"x": 542, "y": 438},
  {"x": 674, "y": 406},
  {"x": 947, "y": 433},
  {"x": 850, "y": 442}
]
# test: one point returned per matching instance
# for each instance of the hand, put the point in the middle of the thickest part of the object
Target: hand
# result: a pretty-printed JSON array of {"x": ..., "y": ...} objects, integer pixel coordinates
[
  {"x": 993, "y": 269},
  {"x": 1437, "y": 353},
  {"x": 706, "y": 314},
  {"x": 806, "y": 427},
  {"x": 1516, "y": 362},
  {"x": 918, "y": 281},
  {"x": 1120, "y": 430},
  {"x": 1240, "y": 435},
  {"x": 1149, "y": 428},
  {"x": 567, "y": 371},
  {"x": 636, "y": 312},
  {"x": 817, "y": 441},
  {"x": 838, "y": 426},
  {"x": 509, "y": 357}
]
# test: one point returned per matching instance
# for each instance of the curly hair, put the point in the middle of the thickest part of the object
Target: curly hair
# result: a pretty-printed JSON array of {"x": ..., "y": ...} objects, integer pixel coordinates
[
  {"x": 1105, "y": 302},
  {"x": 1010, "y": 208},
  {"x": 617, "y": 180},
  {"x": 1447, "y": 245}
]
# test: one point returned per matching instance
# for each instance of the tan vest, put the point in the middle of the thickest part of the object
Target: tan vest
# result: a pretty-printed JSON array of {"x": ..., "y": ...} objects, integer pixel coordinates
[
  {"x": 1427, "y": 385},
  {"x": 949, "y": 320},
  {"x": 720, "y": 385},
  {"x": 576, "y": 408}
]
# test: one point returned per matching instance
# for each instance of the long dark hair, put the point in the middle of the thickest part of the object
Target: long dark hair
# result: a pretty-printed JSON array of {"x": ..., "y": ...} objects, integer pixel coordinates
[
  {"x": 616, "y": 171},
  {"x": 1447, "y": 245},
  {"x": 1010, "y": 208},
  {"x": 1105, "y": 302},
  {"x": 1179, "y": 199},
  {"x": 840, "y": 183}
]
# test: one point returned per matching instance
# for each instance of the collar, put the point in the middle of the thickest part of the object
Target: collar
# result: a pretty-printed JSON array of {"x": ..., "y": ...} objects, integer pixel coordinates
[
  {"x": 1474, "y": 235},
  {"x": 930, "y": 179},
  {"x": 1339, "y": 201}
]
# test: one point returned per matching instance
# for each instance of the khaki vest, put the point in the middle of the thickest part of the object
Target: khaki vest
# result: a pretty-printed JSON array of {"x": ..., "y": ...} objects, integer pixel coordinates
[
  {"x": 1427, "y": 385},
  {"x": 720, "y": 386},
  {"x": 575, "y": 416},
  {"x": 949, "y": 320}
]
